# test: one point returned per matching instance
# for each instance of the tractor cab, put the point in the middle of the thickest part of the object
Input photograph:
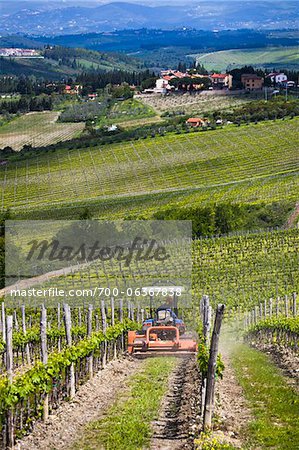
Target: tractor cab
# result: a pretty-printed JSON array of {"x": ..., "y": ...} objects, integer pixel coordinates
[{"x": 165, "y": 316}]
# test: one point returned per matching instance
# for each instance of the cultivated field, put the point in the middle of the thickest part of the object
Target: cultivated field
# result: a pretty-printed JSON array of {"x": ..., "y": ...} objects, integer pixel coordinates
[
  {"x": 200, "y": 103},
  {"x": 248, "y": 163},
  {"x": 130, "y": 109},
  {"x": 273, "y": 57},
  {"x": 37, "y": 129},
  {"x": 240, "y": 271}
]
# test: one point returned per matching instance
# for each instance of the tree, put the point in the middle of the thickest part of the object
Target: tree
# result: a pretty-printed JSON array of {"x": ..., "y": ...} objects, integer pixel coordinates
[
  {"x": 182, "y": 67},
  {"x": 149, "y": 83},
  {"x": 236, "y": 73},
  {"x": 122, "y": 91}
]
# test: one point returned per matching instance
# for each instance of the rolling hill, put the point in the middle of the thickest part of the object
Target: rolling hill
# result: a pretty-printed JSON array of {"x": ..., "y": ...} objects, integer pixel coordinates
[
  {"x": 36, "y": 19},
  {"x": 248, "y": 164},
  {"x": 271, "y": 57},
  {"x": 63, "y": 62}
]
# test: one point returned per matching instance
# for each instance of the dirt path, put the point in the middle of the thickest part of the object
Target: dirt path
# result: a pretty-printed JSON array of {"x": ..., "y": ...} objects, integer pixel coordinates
[
  {"x": 230, "y": 406},
  {"x": 38, "y": 280},
  {"x": 179, "y": 420},
  {"x": 294, "y": 217},
  {"x": 92, "y": 399}
]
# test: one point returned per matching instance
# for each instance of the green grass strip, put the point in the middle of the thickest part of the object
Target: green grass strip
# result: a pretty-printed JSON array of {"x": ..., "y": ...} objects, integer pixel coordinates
[
  {"x": 127, "y": 424},
  {"x": 274, "y": 404}
]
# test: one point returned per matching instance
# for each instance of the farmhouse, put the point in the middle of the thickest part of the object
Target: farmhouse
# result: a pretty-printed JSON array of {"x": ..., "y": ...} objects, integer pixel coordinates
[
  {"x": 72, "y": 90},
  {"x": 251, "y": 81},
  {"x": 169, "y": 74},
  {"x": 162, "y": 86},
  {"x": 220, "y": 80},
  {"x": 92, "y": 97},
  {"x": 196, "y": 122},
  {"x": 277, "y": 77}
]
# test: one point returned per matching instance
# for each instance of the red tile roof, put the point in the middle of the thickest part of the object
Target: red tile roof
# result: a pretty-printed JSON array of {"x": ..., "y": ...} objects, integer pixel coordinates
[
  {"x": 195, "y": 119},
  {"x": 219, "y": 75}
]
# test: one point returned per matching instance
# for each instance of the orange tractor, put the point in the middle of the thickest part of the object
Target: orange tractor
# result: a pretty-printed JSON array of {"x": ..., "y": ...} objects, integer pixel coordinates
[{"x": 163, "y": 334}]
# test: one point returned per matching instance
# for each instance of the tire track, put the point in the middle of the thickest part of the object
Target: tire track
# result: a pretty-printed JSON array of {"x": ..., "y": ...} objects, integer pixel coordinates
[{"x": 179, "y": 417}]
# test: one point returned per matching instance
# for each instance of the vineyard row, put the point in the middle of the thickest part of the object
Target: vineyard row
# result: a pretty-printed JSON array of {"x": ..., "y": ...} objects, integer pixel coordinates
[{"x": 32, "y": 390}]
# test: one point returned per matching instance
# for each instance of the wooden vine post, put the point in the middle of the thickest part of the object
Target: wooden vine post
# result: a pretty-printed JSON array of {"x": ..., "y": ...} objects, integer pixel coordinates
[
  {"x": 206, "y": 321},
  {"x": 3, "y": 322},
  {"x": 277, "y": 305},
  {"x": 294, "y": 298},
  {"x": 89, "y": 333},
  {"x": 104, "y": 328},
  {"x": 9, "y": 368},
  {"x": 58, "y": 325},
  {"x": 68, "y": 332},
  {"x": 121, "y": 319},
  {"x": 270, "y": 307},
  {"x": 112, "y": 324},
  {"x": 210, "y": 390},
  {"x": 44, "y": 355},
  {"x": 286, "y": 305},
  {"x": 206, "y": 315},
  {"x": 27, "y": 350}
]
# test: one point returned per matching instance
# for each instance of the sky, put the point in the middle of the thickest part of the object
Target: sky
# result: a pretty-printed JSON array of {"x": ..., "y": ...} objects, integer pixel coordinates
[{"x": 145, "y": 2}]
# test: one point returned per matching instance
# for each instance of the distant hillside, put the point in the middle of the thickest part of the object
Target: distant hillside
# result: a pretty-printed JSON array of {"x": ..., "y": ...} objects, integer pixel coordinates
[
  {"x": 61, "y": 62},
  {"x": 159, "y": 48},
  {"x": 272, "y": 57},
  {"x": 46, "y": 18},
  {"x": 152, "y": 39}
]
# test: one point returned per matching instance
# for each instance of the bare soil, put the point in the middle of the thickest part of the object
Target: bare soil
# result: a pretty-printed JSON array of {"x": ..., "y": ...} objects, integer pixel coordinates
[
  {"x": 232, "y": 413},
  {"x": 92, "y": 400},
  {"x": 178, "y": 422}
]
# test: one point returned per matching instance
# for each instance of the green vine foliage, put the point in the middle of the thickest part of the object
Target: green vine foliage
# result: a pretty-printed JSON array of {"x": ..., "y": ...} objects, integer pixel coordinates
[
  {"x": 40, "y": 378},
  {"x": 281, "y": 323},
  {"x": 203, "y": 355},
  {"x": 203, "y": 361},
  {"x": 32, "y": 336}
]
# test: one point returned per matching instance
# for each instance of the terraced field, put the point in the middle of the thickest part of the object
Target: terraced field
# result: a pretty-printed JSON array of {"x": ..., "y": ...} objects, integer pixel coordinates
[
  {"x": 249, "y": 164},
  {"x": 37, "y": 129}
]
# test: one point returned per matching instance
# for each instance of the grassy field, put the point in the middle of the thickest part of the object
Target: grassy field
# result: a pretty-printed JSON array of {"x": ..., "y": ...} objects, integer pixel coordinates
[
  {"x": 272, "y": 57},
  {"x": 37, "y": 129},
  {"x": 127, "y": 425},
  {"x": 123, "y": 112},
  {"x": 248, "y": 163},
  {"x": 273, "y": 402}
]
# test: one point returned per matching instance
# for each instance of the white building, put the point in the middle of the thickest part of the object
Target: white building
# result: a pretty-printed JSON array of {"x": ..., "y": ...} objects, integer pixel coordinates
[
  {"x": 278, "y": 78},
  {"x": 162, "y": 86}
]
